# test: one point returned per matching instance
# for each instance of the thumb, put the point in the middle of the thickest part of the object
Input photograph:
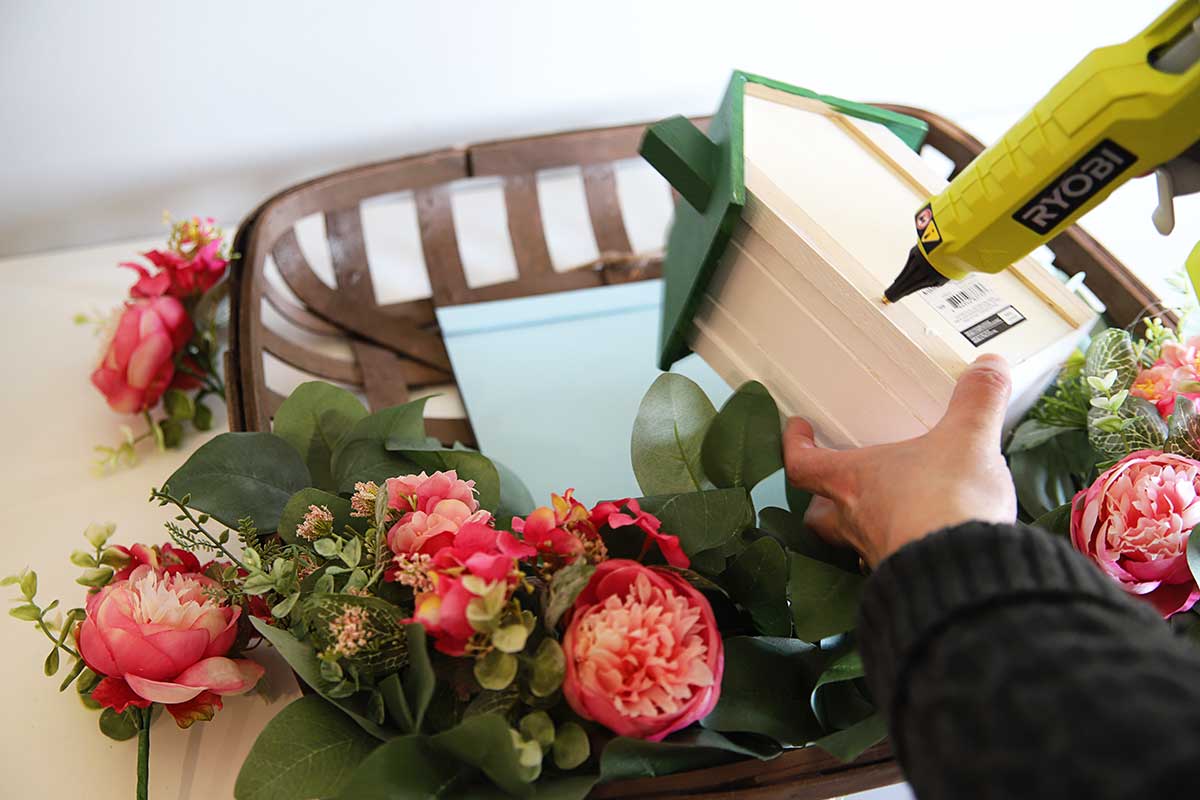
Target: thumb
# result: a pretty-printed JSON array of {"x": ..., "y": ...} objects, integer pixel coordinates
[
  {"x": 980, "y": 400},
  {"x": 809, "y": 467}
]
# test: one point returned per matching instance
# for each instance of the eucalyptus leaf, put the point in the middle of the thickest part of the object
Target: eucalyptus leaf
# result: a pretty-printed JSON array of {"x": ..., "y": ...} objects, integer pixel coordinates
[
  {"x": 845, "y": 667},
  {"x": 486, "y": 742},
  {"x": 757, "y": 580},
  {"x": 236, "y": 475},
  {"x": 789, "y": 530},
  {"x": 1032, "y": 433},
  {"x": 823, "y": 598},
  {"x": 850, "y": 743},
  {"x": 702, "y": 520},
  {"x": 1057, "y": 521},
  {"x": 515, "y": 499},
  {"x": 1193, "y": 553},
  {"x": 744, "y": 442},
  {"x": 361, "y": 453},
  {"x": 406, "y": 767},
  {"x": 668, "y": 434},
  {"x": 313, "y": 419},
  {"x": 309, "y": 749},
  {"x": 766, "y": 689},
  {"x": 1049, "y": 475}
]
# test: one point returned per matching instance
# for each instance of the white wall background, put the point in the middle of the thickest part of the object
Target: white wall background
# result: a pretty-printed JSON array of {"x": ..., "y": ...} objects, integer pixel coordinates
[{"x": 111, "y": 112}]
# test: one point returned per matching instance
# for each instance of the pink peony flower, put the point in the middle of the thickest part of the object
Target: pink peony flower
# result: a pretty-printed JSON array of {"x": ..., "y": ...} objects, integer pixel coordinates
[
  {"x": 611, "y": 514},
  {"x": 191, "y": 265},
  {"x": 478, "y": 557},
  {"x": 157, "y": 637},
  {"x": 644, "y": 656},
  {"x": 434, "y": 508},
  {"x": 139, "y": 362},
  {"x": 562, "y": 533},
  {"x": 1134, "y": 522}
]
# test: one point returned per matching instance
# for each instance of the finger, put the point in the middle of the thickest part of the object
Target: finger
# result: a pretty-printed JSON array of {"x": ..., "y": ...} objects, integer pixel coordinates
[
  {"x": 809, "y": 467},
  {"x": 823, "y": 518},
  {"x": 980, "y": 401}
]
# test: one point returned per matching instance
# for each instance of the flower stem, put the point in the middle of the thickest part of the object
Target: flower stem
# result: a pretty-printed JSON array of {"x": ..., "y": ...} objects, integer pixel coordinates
[{"x": 143, "y": 762}]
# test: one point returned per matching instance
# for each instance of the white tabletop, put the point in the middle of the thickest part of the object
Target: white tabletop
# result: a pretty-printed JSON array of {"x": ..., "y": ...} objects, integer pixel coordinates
[{"x": 52, "y": 418}]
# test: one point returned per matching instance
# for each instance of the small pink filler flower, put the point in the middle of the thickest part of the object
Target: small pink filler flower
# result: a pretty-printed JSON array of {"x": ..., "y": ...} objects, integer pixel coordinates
[
  {"x": 1134, "y": 522},
  {"x": 644, "y": 656}
]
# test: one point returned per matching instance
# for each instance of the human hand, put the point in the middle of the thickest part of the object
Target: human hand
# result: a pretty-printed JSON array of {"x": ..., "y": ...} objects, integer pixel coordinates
[{"x": 877, "y": 499}]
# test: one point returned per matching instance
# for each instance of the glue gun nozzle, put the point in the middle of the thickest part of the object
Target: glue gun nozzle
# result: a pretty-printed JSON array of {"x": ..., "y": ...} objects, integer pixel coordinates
[
  {"x": 917, "y": 274},
  {"x": 886, "y": 302}
]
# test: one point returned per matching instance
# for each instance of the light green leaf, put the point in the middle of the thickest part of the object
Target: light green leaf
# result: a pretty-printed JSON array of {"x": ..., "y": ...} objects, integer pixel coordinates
[
  {"x": 548, "y": 668},
  {"x": 824, "y": 599},
  {"x": 565, "y": 587},
  {"x": 1142, "y": 429},
  {"x": 361, "y": 454},
  {"x": 1110, "y": 350},
  {"x": 496, "y": 670},
  {"x": 766, "y": 689},
  {"x": 850, "y": 743},
  {"x": 236, "y": 475},
  {"x": 571, "y": 746},
  {"x": 757, "y": 580},
  {"x": 668, "y": 434},
  {"x": 178, "y": 404},
  {"x": 485, "y": 741},
  {"x": 313, "y": 419},
  {"x": 309, "y": 749},
  {"x": 743, "y": 444}
]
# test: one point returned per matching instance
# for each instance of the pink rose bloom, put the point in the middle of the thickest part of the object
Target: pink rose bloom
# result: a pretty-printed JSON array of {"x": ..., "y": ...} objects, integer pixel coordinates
[
  {"x": 622, "y": 513},
  {"x": 479, "y": 552},
  {"x": 644, "y": 656},
  {"x": 1134, "y": 522},
  {"x": 165, "y": 558},
  {"x": 434, "y": 508},
  {"x": 1184, "y": 359},
  {"x": 158, "y": 638},
  {"x": 191, "y": 266},
  {"x": 139, "y": 362}
]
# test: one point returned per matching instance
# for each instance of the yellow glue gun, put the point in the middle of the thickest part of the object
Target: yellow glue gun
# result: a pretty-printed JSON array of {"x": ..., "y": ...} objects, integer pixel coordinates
[{"x": 1124, "y": 111}]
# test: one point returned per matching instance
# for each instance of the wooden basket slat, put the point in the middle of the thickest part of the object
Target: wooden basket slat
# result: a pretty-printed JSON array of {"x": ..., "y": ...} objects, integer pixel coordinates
[
  {"x": 312, "y": 362},
  {"x": 525, "y": 227},
  {"x": 297, "y": 315},
  {"x": 604, "y": 208},
  {"x": 439, "y": 245},
  {"x": 348, "y": 254}
]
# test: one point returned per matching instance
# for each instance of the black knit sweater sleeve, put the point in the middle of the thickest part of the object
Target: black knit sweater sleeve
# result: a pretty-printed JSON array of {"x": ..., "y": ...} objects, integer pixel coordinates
[{"x": 1011, "y": 667}]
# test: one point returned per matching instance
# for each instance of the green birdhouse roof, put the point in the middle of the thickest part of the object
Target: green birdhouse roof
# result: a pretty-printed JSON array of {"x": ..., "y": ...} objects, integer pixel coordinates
[{"x": 708, "y": 172}]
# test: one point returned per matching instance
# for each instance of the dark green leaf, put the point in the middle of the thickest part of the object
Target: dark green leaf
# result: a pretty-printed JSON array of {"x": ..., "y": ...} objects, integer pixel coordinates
[
  {"x": 297, "y": 506},
  {"x": 309, "y": 749},
  {"x": 789, "y": 530},
  {"x": 845, "y": 667},
  {"x": 177, "y": 404},
  {"x": 171, "y": 431},
  {"x": 841, "y": 704},
  {"x": 419, "y": 680},
  {"x": 313, "y": 419},
  {"x": 1032, "y": 433},
  {"x": 407, "y": 768},
  {"x": 1183, "y": 429},
  {"x": 119, "y": 727},
  {"x": 743, "y": 444},
  {"x": 515, "y": 499},
  {"x": 702, "y": 520},
  {"x": 303, "y": 660},
  {"x": 488, "y": 702},
  {"x": 766, "y": 689},
  {"x": 468, "y": 464},
  {"x": 850, "y": 743},
  {"x": 1049, "y": 475},
  {"x": 693, "y": 748},
  {"x": 202, "y": 418},
  {"x": 1057, "y": 521},
  {"x": 565, "y": 587},
  {"x": 236, "y": 475},
  {"x": 824, "y": 599},
  {"x": 757, "y": 580},
  {"x": 797, "y": 499},
  {"x": 485, "y": 742},
  {"x": 361, "y": 454},
  {"x": 668, "y": 434}
]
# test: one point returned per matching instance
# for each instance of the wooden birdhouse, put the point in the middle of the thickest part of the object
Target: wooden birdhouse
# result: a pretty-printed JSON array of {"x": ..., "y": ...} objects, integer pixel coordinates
[{"x": 795, "y": 213}]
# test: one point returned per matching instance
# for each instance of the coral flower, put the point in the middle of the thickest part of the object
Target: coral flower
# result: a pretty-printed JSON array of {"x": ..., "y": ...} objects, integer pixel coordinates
[
  {"x": 624, "y": 513},
  {"x": 644, "y": 656},
  {"x": 563, "y": 531},
  {"x": 139, "y": 362},
  {"x": 434, "y": 508},
  {"x": 1135, "y": 520}
]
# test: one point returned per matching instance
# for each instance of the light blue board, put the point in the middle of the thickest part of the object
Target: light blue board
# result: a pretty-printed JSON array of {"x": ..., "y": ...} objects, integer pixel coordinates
[{"x": 552, "y": 385}]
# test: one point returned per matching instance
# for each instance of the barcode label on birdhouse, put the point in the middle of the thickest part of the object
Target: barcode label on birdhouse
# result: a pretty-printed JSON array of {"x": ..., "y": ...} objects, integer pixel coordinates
[{"x": 975, "y": 311}]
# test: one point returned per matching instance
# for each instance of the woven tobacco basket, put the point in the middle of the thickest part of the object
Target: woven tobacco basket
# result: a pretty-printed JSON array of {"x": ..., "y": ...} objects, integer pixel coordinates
[{"x": 396, "y": 349}]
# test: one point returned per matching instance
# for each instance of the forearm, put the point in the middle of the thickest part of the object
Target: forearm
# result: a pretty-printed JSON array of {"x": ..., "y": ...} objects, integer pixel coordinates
[{"x": 1011, "y": 667}]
